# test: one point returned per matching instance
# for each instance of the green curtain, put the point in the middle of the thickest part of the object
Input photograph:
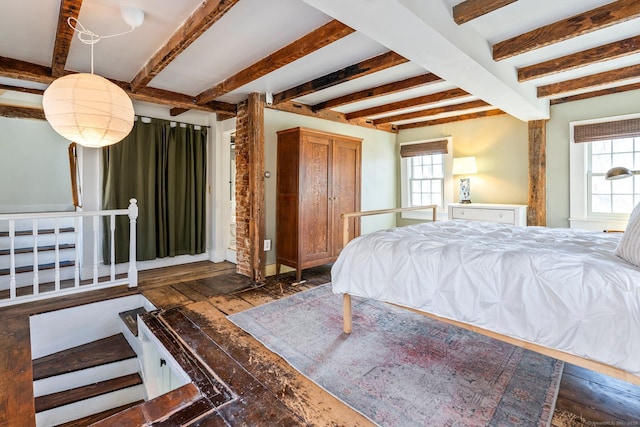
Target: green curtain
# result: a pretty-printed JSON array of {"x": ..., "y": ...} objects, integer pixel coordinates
[{"x": 164, "y": 168}]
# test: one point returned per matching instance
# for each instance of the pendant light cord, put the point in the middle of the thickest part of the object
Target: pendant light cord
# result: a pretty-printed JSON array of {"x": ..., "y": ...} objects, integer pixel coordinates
[{"x": 89, "y": 37}]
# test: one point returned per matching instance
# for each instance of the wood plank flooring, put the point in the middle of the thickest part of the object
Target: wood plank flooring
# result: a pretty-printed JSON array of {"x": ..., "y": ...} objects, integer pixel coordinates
[{"x": 206, "y": 292}]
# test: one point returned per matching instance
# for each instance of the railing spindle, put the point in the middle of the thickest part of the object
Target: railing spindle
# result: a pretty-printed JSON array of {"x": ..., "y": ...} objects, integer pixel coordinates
[
  {"x": 12, "y": 251},
  {"x": 96, "y": 234},
  {"x": 76, "y": 263},
  {"x": 56, "y": 232},
  {"x": 112, "y": 236},
  {"x": 36, "y": 278},
  {"x": 133, "y": 269}
]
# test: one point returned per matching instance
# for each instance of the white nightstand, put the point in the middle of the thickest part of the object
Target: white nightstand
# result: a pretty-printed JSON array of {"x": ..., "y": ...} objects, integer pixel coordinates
[{"x": 506, "y": 214}]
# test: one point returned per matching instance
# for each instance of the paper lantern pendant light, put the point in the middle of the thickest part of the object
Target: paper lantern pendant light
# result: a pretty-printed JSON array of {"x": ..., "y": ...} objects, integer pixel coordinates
[{"x": 88, "y": 109}]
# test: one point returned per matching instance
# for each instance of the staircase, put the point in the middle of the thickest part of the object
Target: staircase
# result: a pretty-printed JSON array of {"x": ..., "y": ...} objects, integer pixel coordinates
[{"x": 89, "y": 382}]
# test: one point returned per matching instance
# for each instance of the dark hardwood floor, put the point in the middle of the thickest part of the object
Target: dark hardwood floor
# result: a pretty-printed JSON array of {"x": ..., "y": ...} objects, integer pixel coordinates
[{"x": 270, "y": 391}]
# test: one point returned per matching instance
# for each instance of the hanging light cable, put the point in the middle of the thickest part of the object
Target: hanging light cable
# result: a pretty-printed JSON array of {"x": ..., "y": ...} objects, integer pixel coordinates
[{"x": 86, "y": 108}]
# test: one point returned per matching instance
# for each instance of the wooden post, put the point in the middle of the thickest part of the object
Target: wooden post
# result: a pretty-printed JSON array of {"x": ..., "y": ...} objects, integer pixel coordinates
[
  {"x": 537, "y": 212},
  {"x": 255, "y": 134},
  {"x": 133, "y": 269}
]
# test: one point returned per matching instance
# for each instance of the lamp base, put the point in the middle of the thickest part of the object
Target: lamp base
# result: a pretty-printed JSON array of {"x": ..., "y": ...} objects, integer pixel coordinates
[
  {"x": 465, "y": 202},
  {"x": 465, "y": 190}
]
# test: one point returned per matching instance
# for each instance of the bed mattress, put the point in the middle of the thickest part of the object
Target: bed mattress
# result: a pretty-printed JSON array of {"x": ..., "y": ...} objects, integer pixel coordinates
[{"x": 559, "y": 288}]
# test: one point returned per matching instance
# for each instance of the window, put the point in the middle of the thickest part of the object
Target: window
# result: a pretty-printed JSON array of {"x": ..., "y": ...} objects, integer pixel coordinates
[
  {"x": 616, "y": 196},
  {"x": 596, "y": 146},
  {"x": 426, "y": 175},
  {"x": 426, "y": 180}
]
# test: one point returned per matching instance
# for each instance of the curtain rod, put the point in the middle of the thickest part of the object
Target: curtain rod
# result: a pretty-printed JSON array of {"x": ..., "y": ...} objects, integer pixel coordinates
[{"x": 172, "y": 122}]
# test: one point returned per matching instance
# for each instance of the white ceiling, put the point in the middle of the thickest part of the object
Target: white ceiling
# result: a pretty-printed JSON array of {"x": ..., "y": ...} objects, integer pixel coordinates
[{"x": 421, "y": 31}]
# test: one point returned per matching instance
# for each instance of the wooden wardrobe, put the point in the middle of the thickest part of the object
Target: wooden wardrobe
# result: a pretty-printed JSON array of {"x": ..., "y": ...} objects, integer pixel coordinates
[{"x": 318, "y": 179}]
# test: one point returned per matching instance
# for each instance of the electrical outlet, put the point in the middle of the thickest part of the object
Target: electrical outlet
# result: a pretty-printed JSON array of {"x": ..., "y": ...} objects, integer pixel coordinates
[{"x": 267, "y": 245}]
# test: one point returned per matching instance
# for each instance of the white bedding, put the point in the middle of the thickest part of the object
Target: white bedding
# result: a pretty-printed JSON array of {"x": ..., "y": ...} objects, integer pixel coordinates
[{"x": 560, "y": 288}]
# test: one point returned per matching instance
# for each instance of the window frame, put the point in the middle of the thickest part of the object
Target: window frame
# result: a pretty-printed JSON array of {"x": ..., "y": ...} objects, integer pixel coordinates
[
  {"x": 580, "y": 183},
  {"x": 447, "y": 190}
]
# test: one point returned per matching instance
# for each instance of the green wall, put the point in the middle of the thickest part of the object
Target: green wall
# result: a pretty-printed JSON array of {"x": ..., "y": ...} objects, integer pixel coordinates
[
  {"x": 34, "y": 167},
  {"x": 500, "y": 145},
  {"x": 379, "y": 168},
  {"x": 558, "y": 192}
]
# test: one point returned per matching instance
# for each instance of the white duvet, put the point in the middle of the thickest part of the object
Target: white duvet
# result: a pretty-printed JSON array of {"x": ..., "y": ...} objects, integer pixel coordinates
[{"x": 560, "y": 288}]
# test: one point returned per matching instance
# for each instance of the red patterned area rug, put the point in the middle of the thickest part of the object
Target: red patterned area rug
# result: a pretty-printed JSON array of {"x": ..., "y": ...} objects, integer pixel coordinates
[{"x": 399, "y": 368}]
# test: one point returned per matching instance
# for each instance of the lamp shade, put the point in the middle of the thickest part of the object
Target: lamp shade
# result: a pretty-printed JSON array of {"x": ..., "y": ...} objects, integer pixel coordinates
[
  {"x": 618, "y": 172},
  {"x": 464, "y": 166},
  {"x": 88, "y": 109}
]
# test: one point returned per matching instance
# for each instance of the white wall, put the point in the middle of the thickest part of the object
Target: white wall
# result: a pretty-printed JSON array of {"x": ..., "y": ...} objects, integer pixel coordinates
[
  {"x": 558, "y": 192},
  {"x": 379, "y": 168},
  {"x": 34, "y": 167}
]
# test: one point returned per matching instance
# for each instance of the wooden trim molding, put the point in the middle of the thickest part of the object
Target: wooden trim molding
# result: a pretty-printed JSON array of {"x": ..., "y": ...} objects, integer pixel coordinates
[{"x": 537, "y": 211}]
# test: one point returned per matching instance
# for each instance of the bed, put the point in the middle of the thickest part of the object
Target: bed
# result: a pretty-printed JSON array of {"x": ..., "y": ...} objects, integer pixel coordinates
[{"x": 560, "y": 292}]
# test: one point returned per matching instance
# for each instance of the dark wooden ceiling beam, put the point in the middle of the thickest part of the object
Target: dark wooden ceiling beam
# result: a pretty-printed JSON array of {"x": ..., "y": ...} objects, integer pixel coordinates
[
  {"x": 369, "y": 66},
  {"x": 619, "y": 75},
  {"x": 209, "y": 12},
  {"x": 173, "y": 112},
  {"x": 317, "y": 39},
  {"x": 602, "y": 53},
  {"x": 15, "y": 112},
  {"x": 64, "y": 35},
  {"x": 408, "y": 103},
  {"x": 21, "y": 70},
  {"x": 596, "y": 93},
  {"x": 335, "y": 116},
  {"x": 22, "y": 89},
  {"x": 431, "y": 112},
  {"x": 375, "y": 92},
  {"x": 592, "y": 20},
  {"x": 472, "y": 9},
  {"x": 470, "y": 116}
]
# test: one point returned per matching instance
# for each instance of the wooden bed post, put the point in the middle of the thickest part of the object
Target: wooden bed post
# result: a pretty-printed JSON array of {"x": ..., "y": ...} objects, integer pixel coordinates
[{"x": 346, "y": 313}]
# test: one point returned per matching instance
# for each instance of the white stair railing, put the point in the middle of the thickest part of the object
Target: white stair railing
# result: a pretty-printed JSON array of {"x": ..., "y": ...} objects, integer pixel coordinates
[{"x": 12, "y": 292}]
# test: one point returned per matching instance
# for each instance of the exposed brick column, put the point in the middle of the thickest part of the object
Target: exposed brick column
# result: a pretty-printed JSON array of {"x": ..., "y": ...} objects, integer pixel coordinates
[{"x": 250, "y": 194}]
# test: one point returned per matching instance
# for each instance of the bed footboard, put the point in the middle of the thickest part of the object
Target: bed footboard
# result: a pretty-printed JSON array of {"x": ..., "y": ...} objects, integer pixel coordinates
[{"x": 346, "y": 299}]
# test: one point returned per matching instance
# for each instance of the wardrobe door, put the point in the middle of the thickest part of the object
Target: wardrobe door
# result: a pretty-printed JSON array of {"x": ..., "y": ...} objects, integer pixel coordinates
[
  {"x": 315, "y": 204},
  {"x": 346, "y": 189}
]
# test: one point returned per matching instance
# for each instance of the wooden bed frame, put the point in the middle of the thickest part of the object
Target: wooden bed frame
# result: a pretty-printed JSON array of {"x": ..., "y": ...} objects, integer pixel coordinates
[{"x": 557, "y": 354}]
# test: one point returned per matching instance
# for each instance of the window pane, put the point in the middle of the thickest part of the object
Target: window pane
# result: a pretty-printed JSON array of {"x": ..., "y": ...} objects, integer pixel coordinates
[
  {"x": 601, "y": 204},
  {"x": 599, "y": 185},
  {"x": 622, "y": 203},
  {"x": 623, "y": 159},
  {"x": 622, "y": 145},
  {"x": 416, "y": 172},
  {"x": 438, "y": 171},
  {"x": 599, "y": 147},
  {"x": 600, "y": 163},
  {"x": 622, "y": 186}
]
